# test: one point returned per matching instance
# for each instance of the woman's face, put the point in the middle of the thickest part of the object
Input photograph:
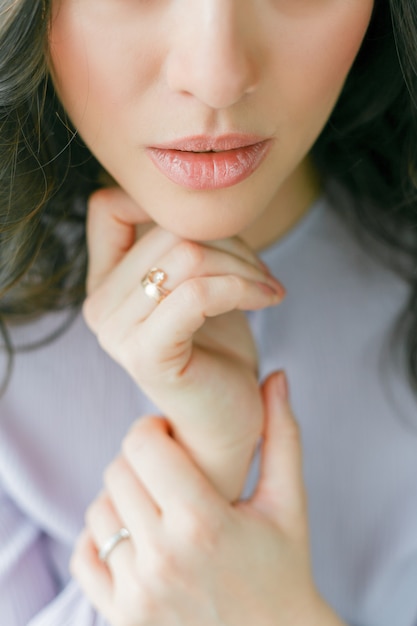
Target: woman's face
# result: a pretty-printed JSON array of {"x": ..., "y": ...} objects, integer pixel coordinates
[{"x": 150, "y": 84}]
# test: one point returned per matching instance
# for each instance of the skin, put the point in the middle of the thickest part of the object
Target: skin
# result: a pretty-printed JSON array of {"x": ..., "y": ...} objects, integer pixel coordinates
[
  {"x": 132, "y": 74},
  {"x": 191, "y": 554},
  {"x": 179, "y": 68},
  {"x": 193, "y": 353},
  {"x": 159, "y": 77}
]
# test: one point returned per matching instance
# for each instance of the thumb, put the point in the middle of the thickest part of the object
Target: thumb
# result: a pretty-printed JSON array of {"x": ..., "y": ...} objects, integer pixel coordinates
[
  {"x": 111, "y": 219},
  {"x": 280, "y": 493}
]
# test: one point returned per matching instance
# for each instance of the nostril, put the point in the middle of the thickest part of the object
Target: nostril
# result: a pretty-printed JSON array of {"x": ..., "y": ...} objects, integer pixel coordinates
[{"x": 218, "y": 74}]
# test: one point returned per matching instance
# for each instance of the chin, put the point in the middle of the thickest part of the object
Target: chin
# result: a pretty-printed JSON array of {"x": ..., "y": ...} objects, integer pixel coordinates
[
  {"x": 202, "y": 217},
  {"x": 199, "y": 233},
  {"x": 202, "y": 229}
]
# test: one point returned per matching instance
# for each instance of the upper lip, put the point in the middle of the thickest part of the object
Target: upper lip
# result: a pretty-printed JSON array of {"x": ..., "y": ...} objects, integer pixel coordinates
[{"x": 206, "y": 143}]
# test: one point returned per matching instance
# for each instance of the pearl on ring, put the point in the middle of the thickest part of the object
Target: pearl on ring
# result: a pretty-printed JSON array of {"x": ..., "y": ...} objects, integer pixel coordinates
[
  {"x": 152, "y": 284},
  {"x": 111, "y": 543}
]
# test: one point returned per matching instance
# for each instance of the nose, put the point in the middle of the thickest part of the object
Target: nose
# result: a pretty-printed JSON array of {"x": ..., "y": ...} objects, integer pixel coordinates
[{"x": 214, "y": 53}]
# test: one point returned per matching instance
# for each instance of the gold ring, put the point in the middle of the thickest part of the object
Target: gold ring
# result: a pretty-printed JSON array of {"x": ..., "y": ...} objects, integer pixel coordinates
[{"x": 152, "y": 284}]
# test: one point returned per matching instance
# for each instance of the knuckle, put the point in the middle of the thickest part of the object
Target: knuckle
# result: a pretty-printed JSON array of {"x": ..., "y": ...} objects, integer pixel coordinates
[
  {"x": 194, "y": 293},
  {"x": 137, "y": 435},
  {"x": 121, "y": 345},
  {"x": 163, "y": 569},
  {"x": 100, "y": 200},
  {"x": 106, "y": 336},
  {"x": 143, "y": 604},
  {"x": 200, "y": 532},
  {"x": 236, "y": 283},
  {"x": 96, "y": 509},
  {"x": 90, "y": 313},
  {"x": 134, "y": 351},
  {"x": 151, "y": 582},
  {"x": 131, "y": 444},
  {"x": 191, "y": 254}
]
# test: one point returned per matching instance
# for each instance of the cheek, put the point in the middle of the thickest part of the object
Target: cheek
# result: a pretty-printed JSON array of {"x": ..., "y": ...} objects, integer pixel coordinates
[
  {"x": 92, "y": 71},
  {"x": 319, "y": 51},
  {"x": 69, "y": 61}
]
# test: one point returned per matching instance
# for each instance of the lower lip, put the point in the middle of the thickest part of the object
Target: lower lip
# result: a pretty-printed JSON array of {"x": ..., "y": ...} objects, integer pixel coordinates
[{"x": 209, "y": 170}]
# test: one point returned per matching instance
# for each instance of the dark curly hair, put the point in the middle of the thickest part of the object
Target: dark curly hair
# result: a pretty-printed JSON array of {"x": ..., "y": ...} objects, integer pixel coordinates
[{"x": 369, "y": 147}]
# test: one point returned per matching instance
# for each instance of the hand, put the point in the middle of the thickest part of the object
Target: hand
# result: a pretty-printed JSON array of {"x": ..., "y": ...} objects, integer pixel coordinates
[
  {"x": 193, "y": 558},
  {"x": 192, "y": 354}
]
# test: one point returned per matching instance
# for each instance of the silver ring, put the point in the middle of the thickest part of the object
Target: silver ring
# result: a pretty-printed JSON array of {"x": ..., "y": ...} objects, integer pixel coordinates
[
  {"x": 112, "y": 542},
  {"x": 152, "y": 284}
]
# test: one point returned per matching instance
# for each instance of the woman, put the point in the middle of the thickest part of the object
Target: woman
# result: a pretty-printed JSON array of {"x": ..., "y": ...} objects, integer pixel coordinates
[{"x": 230, "y": 152}]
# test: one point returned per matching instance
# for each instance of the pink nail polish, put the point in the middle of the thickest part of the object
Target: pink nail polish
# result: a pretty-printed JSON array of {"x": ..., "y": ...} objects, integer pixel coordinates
[
  {"x": 276, "y": 285},
  {"x": 270, "y": 290}
]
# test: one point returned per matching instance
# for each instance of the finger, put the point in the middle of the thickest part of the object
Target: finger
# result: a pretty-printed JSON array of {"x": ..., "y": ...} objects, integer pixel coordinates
[
  {"x": 280, "y": 492},
  {"x": 184, "y": 311},
  {"x": 92, "y": 574},
  {"x": 118, "y": 284},
  {"x": 103, "y": 522},
  {"x": 175, "y": 482},
  {"x": 181, "y": 259},
  {"x": 237, "y": 247},
  {"x": 111, "y": 219},
  {"x": 191, "y": 260},
  {"x": 186, "y": 260},
  {"x": 133, "y": 504}
]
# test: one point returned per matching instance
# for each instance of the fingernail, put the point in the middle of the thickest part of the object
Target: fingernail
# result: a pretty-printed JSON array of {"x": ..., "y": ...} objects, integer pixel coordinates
[
  {"x": 281, "y": 386},
  {"x": 271, "y": 289},
  {"x": 276, "y": 285}
]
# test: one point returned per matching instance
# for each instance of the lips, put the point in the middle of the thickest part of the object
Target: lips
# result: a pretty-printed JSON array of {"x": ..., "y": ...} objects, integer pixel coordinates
[{"x": 210, "y": 162}]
